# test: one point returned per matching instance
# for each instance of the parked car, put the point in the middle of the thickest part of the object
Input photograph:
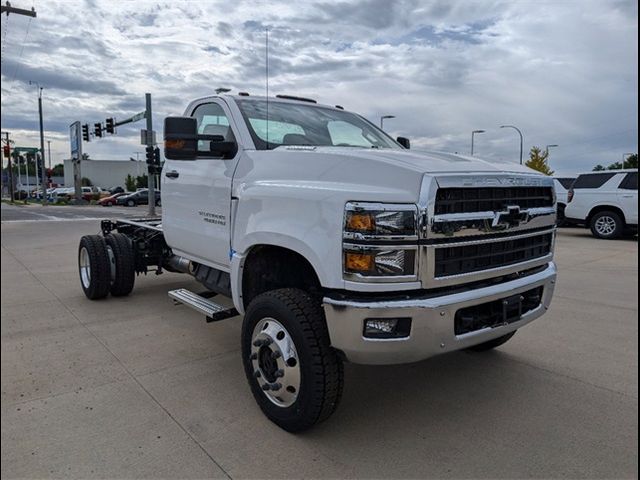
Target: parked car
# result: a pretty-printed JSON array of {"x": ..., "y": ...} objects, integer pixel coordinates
[
  {"x": 605, "y": 202},
  {"x": 114, "y": 190},
  {"x": 141, "y": 197},
  {"x": 563, "y": 185},
  {"x": 110, "y": 200}
]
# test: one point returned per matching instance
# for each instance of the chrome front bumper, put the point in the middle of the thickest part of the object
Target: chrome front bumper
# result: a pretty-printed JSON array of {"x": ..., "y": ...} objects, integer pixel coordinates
[{"x": 432, "y": 326}]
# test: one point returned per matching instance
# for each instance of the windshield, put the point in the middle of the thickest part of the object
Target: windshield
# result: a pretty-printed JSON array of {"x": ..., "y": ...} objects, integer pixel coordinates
[{"x": 295, "y": 124}]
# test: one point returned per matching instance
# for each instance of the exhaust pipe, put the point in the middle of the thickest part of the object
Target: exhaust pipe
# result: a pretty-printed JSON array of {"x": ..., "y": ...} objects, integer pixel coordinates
[{"x": 178, "y": 264}]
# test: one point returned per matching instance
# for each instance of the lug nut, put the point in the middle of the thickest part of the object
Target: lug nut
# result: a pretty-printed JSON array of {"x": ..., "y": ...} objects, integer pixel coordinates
[
  {"x": 279, "y": 373},
  {"x": 257, "y": 343},
  {"x": 275, "y": 387},
  {"x": 254, "y": 356},
  {"x": 257, "y": 374},
  {"x": 275, "y": 355},
  {"x": 266, "y": 387}
]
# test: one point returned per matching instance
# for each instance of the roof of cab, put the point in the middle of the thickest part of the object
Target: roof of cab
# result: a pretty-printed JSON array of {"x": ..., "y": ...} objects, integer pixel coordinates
[{"x": 287, "y": 99}]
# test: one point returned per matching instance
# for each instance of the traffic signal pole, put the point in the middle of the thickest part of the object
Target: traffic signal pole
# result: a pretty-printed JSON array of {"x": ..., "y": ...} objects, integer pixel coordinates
[
  {"x": 151, "y": 176},
  {"x": 43, "y": 176}
]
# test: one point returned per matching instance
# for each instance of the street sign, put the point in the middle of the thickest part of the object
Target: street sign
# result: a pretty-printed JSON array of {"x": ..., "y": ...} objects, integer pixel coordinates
[
  {"x": 26, "y": 149},
  {"x": 75, "y": 137},
  {"x": 147, "y": 137}
]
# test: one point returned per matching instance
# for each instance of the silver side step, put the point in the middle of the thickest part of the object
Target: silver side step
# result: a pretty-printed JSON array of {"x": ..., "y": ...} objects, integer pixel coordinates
[{"x": 211, "y": 310}]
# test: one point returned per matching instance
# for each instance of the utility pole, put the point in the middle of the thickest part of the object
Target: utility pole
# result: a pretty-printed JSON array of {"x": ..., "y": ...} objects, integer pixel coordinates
[
  {"x": 43, "y": 176},
  {"x": 151, "y": 176},
  {"x": 18, "y": 11},
  {"x": 49, "y": 151},
  {"x": 11, "y": 192}
]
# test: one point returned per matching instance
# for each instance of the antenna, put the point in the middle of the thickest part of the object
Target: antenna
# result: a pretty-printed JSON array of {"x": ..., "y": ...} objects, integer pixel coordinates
[{"x": 266, "y": 63}]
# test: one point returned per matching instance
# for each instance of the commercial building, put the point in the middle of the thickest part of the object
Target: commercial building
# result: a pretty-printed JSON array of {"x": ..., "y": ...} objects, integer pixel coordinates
[{"x": 104, "y": 173}]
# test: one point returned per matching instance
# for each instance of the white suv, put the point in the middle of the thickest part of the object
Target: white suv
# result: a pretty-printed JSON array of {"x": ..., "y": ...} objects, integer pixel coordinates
[{"x": 606, "y": 202}]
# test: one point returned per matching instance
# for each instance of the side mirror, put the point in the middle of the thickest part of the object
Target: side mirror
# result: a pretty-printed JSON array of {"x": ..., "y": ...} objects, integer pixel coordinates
[
  {"x": 404, "y": 141},
  {"x": 180, "y": 138}
]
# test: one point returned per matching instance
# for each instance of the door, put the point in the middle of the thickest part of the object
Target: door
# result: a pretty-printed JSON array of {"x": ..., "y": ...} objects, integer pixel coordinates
[
  {"x": 628, "y": 197},
  {"x": 196, "y": 195}
]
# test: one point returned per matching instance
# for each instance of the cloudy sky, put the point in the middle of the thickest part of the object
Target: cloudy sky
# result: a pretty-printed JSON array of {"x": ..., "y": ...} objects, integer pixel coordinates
[{"x": 564, "y": 72}]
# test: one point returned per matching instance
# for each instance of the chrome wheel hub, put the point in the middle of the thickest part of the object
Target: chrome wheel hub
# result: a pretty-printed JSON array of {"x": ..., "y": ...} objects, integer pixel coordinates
[
  {"x": 605, "y": 225},
  {"x": 275, "y": 362},
  {"x": 85, "y": 268}
]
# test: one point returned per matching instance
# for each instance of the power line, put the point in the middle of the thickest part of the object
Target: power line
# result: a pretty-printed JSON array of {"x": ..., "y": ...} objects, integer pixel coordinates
[
  {"x": 4, "y": 38},
  {"x": 26, "y": 34}
]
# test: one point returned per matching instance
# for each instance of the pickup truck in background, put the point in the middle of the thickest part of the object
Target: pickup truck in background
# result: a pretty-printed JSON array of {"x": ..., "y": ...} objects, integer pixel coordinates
[{"x": 335, "y": 243}]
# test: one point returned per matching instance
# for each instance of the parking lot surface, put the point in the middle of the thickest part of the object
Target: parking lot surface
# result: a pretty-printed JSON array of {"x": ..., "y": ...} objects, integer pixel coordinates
[{"x": 136, "y": 387}]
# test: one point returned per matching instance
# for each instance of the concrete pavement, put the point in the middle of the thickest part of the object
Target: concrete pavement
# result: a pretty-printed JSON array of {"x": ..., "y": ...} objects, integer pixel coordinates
[{"x": 135, "y": 387}]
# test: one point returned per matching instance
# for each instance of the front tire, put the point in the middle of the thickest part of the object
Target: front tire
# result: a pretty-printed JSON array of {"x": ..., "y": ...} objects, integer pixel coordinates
[
  {"x": 131, "y": 203},
  {"x": 294, "y": 374},
  {"x": 607, "y": 225},
  {"x": 93, "y": 267}
]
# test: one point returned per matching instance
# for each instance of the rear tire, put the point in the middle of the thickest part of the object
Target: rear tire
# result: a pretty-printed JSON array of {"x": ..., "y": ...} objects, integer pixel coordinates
[
  {"x": 93, "y": 266},
  {"x": 131, "y": 203},
  {"x": 606, "y": 225},
  {"x": 491, "y": 344},
  {"x": 124, "y": 258},
  {"x": 314, "y": 368}
]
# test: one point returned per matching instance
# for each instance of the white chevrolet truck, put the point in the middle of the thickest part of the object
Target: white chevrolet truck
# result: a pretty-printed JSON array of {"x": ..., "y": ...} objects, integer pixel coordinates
[{"x": 335, "y": 242}]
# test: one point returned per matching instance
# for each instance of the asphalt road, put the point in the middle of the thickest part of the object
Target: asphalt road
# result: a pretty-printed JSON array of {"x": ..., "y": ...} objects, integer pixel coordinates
[{"x": 136, "y": 387}]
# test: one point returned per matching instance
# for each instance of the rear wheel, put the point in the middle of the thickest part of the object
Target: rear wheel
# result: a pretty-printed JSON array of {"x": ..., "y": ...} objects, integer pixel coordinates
[
  {"x": 294, "y": 374},
  {"x": 94, "y": 267},
  {"x": 607, "y": 225},
  {"x": 491, "y": 344},
  {"x": 131, "y": 203},
  {"x": 123, "y": 264}
]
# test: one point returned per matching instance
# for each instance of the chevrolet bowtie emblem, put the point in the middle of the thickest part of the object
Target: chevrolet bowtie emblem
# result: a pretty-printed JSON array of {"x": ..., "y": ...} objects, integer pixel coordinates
[{"x": 512, "y": 217}]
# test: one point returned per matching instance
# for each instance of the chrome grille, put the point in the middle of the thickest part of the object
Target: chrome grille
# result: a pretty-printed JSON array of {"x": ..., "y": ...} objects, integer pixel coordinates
[
  {"x": 478, "y": 227},
  {"x": 467, "y": 200},
  {"x": 451, "y": 260}
]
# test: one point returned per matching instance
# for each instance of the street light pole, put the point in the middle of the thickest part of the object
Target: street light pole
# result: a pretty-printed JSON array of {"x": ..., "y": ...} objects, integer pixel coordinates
[
  {"x": 472, "y": 135},
  {"x": 546, "y": 149},
  {"x": 49, "y": 151},
  {"x": 43, "y": 183},
  {"x": 519, "y": 133},
  {"x": 382, "y": 118}
]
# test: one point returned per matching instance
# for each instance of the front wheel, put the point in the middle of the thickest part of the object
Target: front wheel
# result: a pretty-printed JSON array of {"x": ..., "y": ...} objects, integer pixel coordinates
[
  {"x": 131, "y": 203},
  {"x": 294, "y": 374},
  {"x": 606, "y": 225}
]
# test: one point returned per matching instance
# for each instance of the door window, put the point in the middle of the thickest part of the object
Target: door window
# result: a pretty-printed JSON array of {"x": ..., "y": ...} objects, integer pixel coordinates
[
  {"x": 630, "y": 181},
  {"x": 212, "y": 121}
]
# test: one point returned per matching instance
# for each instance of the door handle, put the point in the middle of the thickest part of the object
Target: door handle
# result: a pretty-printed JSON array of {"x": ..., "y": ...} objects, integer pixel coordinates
[
  {"x": 627, "y": 196},
  {"x": 172, "y": 174}
]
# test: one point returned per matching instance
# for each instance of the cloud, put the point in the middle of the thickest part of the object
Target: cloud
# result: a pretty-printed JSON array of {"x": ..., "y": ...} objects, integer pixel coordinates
[{"x": 564, "y": 73}]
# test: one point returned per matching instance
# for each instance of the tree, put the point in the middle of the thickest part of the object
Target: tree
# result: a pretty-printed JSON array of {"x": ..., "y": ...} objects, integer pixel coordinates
[
  {"x": 58, "y": 170},
  {"x": 599, "y": 168},
  {"x": 538, "y": 160},
  {"x": 631, "y": 161},
  {"x": 85, "y": 182},
  {"x": 142, "y": 181},
  {"x": 130, "y": 183}
]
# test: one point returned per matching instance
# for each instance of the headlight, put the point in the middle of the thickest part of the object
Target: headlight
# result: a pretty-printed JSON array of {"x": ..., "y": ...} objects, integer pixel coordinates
[
  {"x": 379, "y": 261},
  {"x": 380, "y": 221}
]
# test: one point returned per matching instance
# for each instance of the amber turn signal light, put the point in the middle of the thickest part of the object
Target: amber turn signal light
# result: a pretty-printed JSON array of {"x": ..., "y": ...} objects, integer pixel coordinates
[
  {"x": 360, "y": 222},
  {"x": 359, "y": 262}
]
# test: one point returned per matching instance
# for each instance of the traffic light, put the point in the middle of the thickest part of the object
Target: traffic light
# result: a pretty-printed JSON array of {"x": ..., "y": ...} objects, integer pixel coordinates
[
  {"x": 111, "y": 127},
  {"x": 97, "y": 129},
  {"x": 150, "y": 155},
  {"x": 85, "y": 132},
  {"x": 49, "y": 172}
]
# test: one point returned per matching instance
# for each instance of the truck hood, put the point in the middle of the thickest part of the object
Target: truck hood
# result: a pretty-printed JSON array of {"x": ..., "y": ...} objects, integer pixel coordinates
[{"x": 423, "y": 161}]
